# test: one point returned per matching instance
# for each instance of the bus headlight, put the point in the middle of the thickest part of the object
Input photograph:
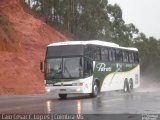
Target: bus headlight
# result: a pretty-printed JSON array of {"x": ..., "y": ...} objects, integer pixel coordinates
[
  {"x": 81, "y": 84},
  {"x": 48, "y": 90},
  {"x": 78, "y": 89}
]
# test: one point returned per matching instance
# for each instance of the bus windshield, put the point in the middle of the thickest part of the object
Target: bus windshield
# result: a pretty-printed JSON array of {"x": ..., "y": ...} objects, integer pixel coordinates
[{"x": 68, "y": 67}]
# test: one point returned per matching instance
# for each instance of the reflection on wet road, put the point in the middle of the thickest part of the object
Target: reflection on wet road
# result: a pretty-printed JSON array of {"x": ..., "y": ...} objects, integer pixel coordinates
[
  {"x": 139, "y": 101},
  {"x": 79, "y": 107},
  {"x": 48, "y": 106}
]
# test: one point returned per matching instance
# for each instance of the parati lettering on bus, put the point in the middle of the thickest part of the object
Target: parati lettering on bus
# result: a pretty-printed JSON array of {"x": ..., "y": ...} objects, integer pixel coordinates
[{"x": 102, "y": 67}]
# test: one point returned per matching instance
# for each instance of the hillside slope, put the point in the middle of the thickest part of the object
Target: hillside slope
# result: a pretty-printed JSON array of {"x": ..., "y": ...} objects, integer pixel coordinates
[{"x": 23, "y": 40}]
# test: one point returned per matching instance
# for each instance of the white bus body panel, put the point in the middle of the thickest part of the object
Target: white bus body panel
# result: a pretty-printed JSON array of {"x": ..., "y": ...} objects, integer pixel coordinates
[{"x": 115, "y": 81}]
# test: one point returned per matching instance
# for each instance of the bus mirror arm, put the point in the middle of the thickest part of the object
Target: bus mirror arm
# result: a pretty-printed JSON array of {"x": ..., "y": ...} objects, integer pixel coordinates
[{"x": 41, "y": 66}]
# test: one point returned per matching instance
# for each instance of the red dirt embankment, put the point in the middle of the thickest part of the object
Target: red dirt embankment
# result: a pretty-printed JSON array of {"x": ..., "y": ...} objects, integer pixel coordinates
[{"x": 23, "y": 40}]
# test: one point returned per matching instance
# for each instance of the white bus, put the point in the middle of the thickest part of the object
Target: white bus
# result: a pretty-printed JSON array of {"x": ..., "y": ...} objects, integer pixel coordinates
[{"x": 90, "y": 67}]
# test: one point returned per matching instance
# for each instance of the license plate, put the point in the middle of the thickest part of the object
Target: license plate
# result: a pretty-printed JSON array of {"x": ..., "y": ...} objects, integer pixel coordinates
[{"x": 62, "y": 89}]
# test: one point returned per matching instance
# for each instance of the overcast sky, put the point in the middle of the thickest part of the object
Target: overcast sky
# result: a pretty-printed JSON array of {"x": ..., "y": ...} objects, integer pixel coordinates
[{"x": 144, "y": 14}]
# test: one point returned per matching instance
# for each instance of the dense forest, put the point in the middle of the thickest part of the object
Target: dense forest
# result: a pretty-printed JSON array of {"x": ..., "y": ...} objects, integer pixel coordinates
[{"x": 97, "y": 19}]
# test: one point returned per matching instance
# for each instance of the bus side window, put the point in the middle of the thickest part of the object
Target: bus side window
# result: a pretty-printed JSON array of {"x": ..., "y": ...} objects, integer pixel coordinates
[
  {"x": 136, "y": 59},
  {"x": 97, "y": 53},
  {"x": 125, "y": 56},
  {"x": 119, "y": 55},
  {"x": 113, "y": 54},
  {"x": 104, "y": 54},
  {"x": 131, "y": 57},
  {"x": 88, "y": 51},
  {"x": 110, "y": 55},
  {"x": 88, "y": 68}
]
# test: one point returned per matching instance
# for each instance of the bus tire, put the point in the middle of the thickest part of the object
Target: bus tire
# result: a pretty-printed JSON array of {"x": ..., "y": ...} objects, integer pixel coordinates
[
  {"x": 63, "y": 96},
  {"x": 95, "y": 89},
  {"x": 131, "y": 84},
  {"x": 126, "y": 86}
]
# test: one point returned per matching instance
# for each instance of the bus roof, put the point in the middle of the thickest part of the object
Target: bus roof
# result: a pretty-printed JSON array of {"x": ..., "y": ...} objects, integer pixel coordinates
[{"x": 92, "y": 42}]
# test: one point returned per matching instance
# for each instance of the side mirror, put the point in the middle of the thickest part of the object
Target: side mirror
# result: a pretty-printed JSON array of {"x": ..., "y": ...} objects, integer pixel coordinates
[{"x": 41, "y": 66}]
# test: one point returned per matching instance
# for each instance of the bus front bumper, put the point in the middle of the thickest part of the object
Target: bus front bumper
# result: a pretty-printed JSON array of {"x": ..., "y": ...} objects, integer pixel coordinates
[{"x": 66, "y": 89}]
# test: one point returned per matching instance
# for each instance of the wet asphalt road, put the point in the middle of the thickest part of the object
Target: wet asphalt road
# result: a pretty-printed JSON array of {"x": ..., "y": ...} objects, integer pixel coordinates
[{"x": 140, "y": 101}]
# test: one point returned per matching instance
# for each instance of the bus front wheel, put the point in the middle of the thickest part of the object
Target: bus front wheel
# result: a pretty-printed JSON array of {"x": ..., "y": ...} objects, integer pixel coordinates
[
  {"x": 131, "y": 84},
  {"x": 63, "y": 96},
  {"x": 126, "y": 86},
  {"x": 95, "y": 89}
]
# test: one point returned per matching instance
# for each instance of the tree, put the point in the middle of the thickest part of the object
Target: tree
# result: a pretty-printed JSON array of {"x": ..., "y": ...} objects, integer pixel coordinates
[{"x": 96, "y": 19}]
